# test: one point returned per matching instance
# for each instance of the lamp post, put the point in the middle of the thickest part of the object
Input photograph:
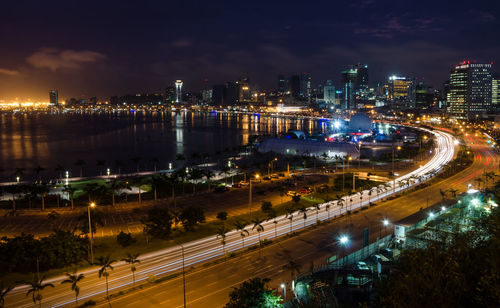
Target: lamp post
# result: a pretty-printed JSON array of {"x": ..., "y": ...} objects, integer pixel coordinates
[
  {"x": 385, "y": 223},
  {"x": 394, "y": 177},
  {"x": 250, "y": 194},
  {"x": 108, "y": 172},
  {"x": 91, "y": 205},
  {"x": 344, "y": 240},
  {"x": 283, "y": 286},
  {"x": 359, "y": 153}
]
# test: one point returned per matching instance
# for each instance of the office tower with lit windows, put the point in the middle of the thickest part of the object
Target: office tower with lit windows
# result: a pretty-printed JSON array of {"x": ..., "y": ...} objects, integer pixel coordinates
[
  {"x": 349, "y": 81},
  {"x": 295, "y": 86},
  {"x": 282, "y": 84},
  {"x": 178, "y": 91},
  {"x": 169, "y": 95},
  {"x": 54, "y": 97},
  {"x": 329, "y": 92},
  {"x": 361, "y": 77},
  {"x": 402, "y": 91},
  {"x": 305, "y": 86},
  {"x": 495, "y": 93},
  {"x": 470, "y": 91}
]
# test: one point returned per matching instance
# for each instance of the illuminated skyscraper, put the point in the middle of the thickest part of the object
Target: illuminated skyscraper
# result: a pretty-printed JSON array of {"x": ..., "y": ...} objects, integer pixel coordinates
[
  {"x": 281, "y": 84},
  {"x": 402, "y": 91},
  {"x": 178, "y": 91},
  {"x": 170, "y": 95},
  {"x": 495, "y": 93},
  {"x": 329, "y": 92},
  {"x": 54, "y": 97},
  {"x": 349, "y": 80},
  {"x": 470, "y": 89}
]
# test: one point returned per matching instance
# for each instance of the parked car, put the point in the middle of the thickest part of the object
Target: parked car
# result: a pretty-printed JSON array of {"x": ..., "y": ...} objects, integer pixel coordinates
[
  {"x": 274, "y": 176},
  {"x": 236, "y": 185},
  {"x": 292, "y": 193},
  {"x": 266, "y": 178},
  {"x": 362, "y": 265}
]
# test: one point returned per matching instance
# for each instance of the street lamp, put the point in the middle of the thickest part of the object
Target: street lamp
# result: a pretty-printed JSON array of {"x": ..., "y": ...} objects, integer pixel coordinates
[
  {"x": 344, "y": 240},
  {"x": 385, "y": 223},
  {"x": 359, "y": 153},
  {"x": 18, "y": 178},
  {"x": 394, "y": 178},
  {"x": 108, "y": 172},
  {"x": 250, "y": 194},
  {"x": 91, "y": 205},
  {"x": 283, "y": 286}
]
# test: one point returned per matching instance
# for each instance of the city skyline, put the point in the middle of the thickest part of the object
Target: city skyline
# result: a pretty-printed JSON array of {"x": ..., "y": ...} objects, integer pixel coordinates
[{"x": 207, "y": 44}]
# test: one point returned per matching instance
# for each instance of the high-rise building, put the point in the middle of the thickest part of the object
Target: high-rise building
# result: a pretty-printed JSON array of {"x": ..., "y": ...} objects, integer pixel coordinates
[
  {"x": 495, "y": 93},
  {"x": 170, "y": 95},
  {"x": 423, "y": 98},
  {"x": 219, "y": 95},
  {"x": 178, "y": 91},
  {"x": 295, "y": 86},
  {"x": 470, "y": 89},
  {"x": 305, "y": 86},
  {"x": 282, "y": 84},
  {"x": 329, "y": 92},
  {"x": 361, "y": 76},
  {"x": 402, "y": 91},
  {"x": 54, "y": 97},
  {"x": 349, "y": 80}
]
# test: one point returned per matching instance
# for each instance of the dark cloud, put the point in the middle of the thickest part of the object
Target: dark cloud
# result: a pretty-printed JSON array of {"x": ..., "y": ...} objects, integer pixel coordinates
[
  {"x": 7, "y": 72},
  {"x": 55, "y": 59}
]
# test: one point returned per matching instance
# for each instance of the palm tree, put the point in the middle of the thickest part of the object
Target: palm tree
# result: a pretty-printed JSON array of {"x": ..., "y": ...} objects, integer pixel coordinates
[
  {"x": 370, "y": 192},
  {"x": 119, "y": 165},
  {"x": 39, "y": 170},
  {"x": 221, "y": 233},
  {"x": 105, "y": 264},
  {"x": 80, "y": 163},
  {"x": 272, "y": 215},
  {"x": 132, "y": 259},
  {"x": 139, "y": 182},
  {"x": 195, "y": 175},
  {"x": 70, "y": 190},
  {"x": 327, "y": 209},
  {"x": 155, "y": 161},
  {"x": 3, "y": 293},
  {"x": 99, "y": 164},
  {"x": 289, "y": 215},
  {"x": 74, "y": 279},
  {"x": 443, "y": 193},
  {"x": 136, "y": 160},
  {"x": 257, "y": 224},
  {"x": 43, "y": 190},
  {"x": 225, "y": 171},
  {"x": 60, "y": 169},
  {"x": 240, "y": 226},
  {"x": 208, "y": 175},
  {"x": 317, "y": 206},
  {"x": 35, "y": 288},
  {"x": 304, "y": 210}
]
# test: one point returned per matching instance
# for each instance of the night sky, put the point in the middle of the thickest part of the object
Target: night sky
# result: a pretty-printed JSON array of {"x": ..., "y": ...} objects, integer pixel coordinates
[{"x": 103, "y": 48}]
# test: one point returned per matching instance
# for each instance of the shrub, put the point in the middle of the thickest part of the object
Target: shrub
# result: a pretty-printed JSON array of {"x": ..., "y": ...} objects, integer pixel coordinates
[{"x": 125, "y": 239}]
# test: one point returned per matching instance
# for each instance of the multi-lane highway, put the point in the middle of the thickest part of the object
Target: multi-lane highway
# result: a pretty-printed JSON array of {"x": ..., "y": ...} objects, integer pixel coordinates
[{"x": 169, "y": 260}]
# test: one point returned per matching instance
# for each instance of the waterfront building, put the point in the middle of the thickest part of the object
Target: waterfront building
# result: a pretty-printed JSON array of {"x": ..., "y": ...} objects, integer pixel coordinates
[
  {"x": 349, "y": 80},
  {"x": 470, "y": 91},
  {"x": 54, "y": 97},
  {"x": 495, "y": 93},
  {"x": 178, "y": 91},
  {"x": 329, "y": 93},
  {"x": 170, "y": 95}
]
